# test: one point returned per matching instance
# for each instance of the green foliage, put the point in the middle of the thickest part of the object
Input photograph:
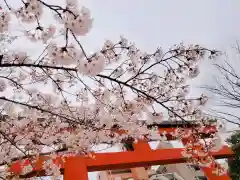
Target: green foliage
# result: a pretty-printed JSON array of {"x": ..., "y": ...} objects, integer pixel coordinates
[{"x": 234, "y": 164}]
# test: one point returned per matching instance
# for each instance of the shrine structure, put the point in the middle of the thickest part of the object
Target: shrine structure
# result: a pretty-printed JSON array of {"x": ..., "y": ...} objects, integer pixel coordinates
[{"x": 138, "y": 155}]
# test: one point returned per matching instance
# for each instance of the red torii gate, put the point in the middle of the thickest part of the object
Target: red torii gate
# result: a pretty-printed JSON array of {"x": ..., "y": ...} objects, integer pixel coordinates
[{"x": 77, "y": 167}]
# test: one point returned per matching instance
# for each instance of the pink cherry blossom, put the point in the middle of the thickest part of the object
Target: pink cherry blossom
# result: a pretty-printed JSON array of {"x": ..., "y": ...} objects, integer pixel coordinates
[{"x": 68, "y": 98}]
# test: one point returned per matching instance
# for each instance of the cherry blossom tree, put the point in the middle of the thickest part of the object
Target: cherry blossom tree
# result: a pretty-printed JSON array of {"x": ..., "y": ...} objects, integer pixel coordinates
[{"x": 69, "y": 100}]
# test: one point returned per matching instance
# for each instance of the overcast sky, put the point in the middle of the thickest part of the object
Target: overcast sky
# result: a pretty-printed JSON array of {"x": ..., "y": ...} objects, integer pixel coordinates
[{"x": 153, "y": 23}]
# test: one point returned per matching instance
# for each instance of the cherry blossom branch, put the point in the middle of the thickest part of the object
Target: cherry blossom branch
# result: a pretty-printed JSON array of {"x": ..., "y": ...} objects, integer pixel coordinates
[
  {"x": 30, "y": 65},
  {"x": 141, "y": 92},
  {"x": 80, "y": 45},
  {"x": 38, "y": 108},
  {"x": 5, "y": 1}
]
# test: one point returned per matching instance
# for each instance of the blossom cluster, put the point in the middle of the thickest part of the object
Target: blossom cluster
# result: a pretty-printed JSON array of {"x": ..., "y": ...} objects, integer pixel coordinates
[
  {"x": 30, "y": 11},
  {"x": 39, "y": 33},
  {"x": 63, "y": 55},
  {"x": 79, "y": 22}
]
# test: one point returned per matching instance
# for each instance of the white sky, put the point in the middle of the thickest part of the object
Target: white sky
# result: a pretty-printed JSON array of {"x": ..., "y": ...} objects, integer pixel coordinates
[{"x": 214, "y": 24}]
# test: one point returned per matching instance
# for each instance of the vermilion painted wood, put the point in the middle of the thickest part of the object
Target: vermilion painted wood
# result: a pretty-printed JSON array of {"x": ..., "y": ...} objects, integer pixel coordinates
[
  {"x": 208, "y": 171},
  {"x": 118, "y": 160},
  {"x": 142, "y": 148},
  {"x": 210, "y": 129},
  {"x": 121, "y": 160},
  {"x": 211, "y": 176},
  {"x": 75, "y": 169},
  {"x": 169, "y": 131}
]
